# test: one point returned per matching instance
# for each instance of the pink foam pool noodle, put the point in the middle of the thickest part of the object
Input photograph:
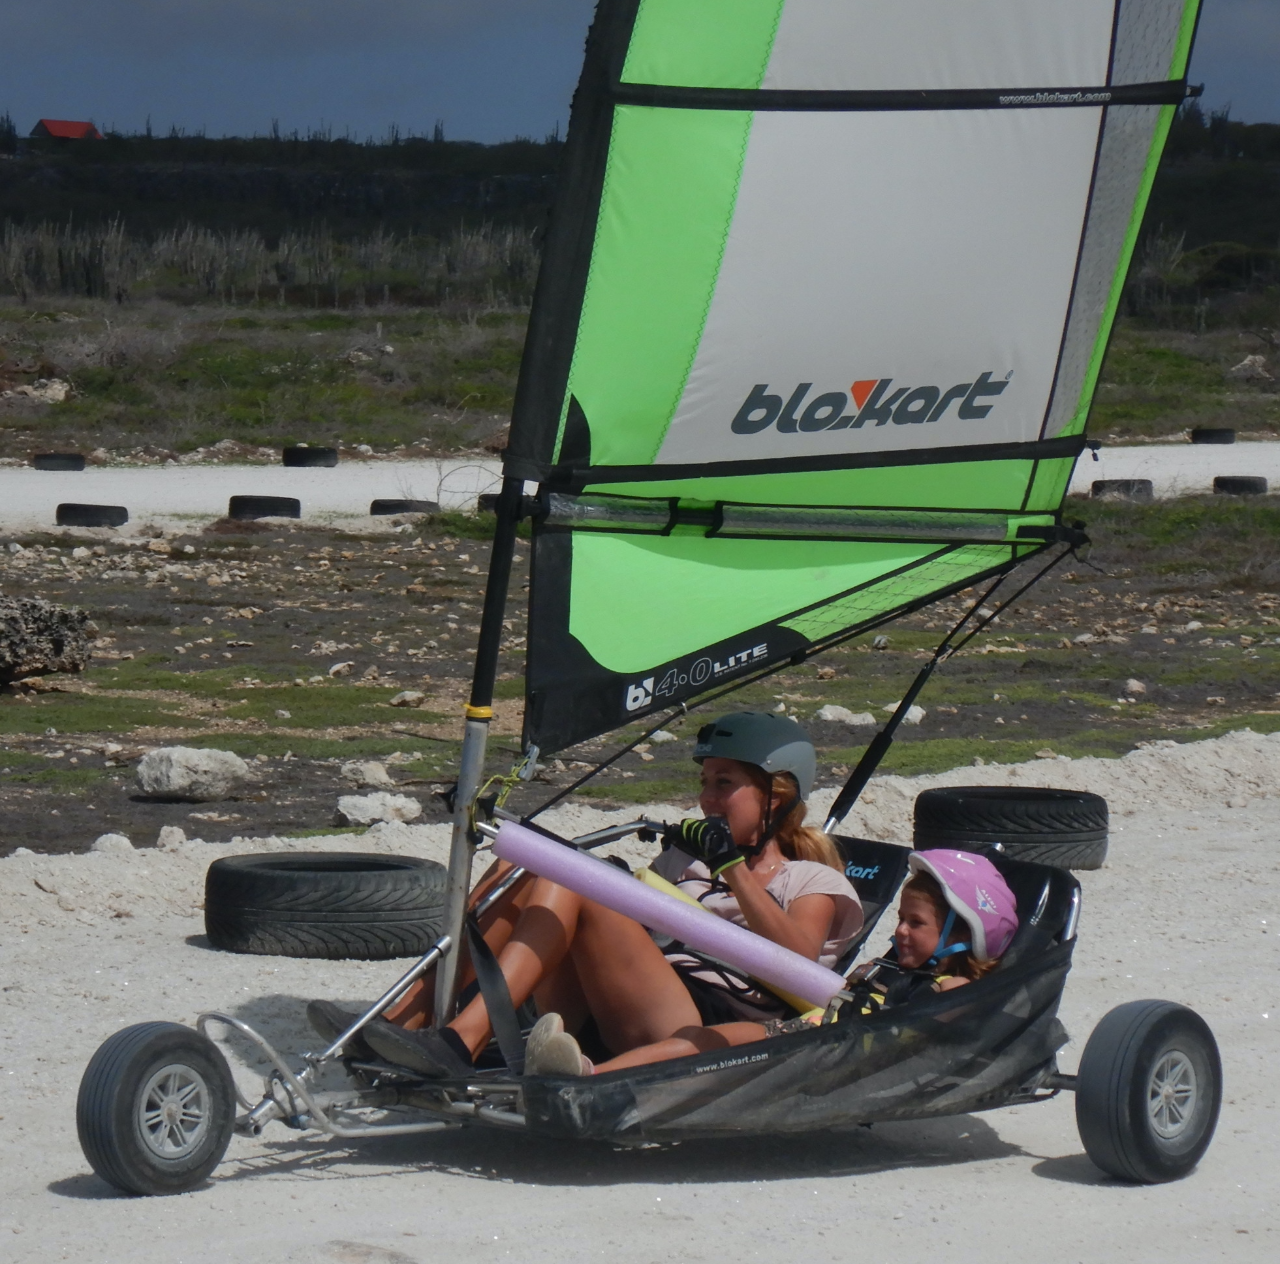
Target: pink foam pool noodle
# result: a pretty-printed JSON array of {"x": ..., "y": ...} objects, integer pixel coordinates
[{"x": 703, "y": 931}]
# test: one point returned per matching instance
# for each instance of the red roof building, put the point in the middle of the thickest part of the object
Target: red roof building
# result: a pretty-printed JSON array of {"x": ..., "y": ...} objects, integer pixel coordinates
[{"x": 63, "y": 129}]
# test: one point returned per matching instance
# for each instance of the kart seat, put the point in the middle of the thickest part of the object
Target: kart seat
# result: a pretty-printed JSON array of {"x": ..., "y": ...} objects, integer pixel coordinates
[{"x": 876, "y": 871}]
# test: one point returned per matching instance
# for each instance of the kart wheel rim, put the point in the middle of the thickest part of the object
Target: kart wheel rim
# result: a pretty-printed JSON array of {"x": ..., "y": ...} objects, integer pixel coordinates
[
  {"x": 173, "y": 1111},
  {"x": 1172, "y": 1094}
]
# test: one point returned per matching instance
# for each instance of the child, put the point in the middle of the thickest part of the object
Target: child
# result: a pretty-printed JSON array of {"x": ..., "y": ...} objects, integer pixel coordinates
[{"x": 956, "y": 917}]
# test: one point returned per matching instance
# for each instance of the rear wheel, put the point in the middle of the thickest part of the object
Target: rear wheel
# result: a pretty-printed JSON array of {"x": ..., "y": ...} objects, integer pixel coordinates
[
  {"x": 156, "y": 1109},
  {"x": 1148, "y": 1091}
]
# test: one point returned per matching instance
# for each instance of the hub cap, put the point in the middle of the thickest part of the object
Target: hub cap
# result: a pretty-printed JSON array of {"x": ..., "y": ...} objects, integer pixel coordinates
[
  {"x": 1171, "y": 1094},
  {"x": 173, "y": 1111}
]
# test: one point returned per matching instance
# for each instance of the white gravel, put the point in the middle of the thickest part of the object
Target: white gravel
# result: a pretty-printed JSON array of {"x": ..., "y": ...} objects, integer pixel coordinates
[{"x": 1187, "y": 907}]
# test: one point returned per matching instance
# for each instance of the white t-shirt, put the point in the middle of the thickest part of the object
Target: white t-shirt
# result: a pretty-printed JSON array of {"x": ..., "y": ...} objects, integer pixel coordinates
[{"x": 794, "y": 879}]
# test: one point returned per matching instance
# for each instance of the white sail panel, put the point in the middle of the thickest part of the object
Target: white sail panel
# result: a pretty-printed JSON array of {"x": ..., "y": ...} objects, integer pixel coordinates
[
  {"x": 904, "y": 253},
  {"x": 938, "y": 44}
]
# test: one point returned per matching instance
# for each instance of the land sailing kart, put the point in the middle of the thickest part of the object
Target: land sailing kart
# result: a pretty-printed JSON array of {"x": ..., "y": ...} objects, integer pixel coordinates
[
  {"x": 759, "y": 425},
  {"x": 157, "y": 1104}
]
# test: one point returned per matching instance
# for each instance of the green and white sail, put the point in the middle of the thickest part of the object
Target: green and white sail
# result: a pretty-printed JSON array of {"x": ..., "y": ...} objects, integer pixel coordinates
[{"x": 821, "y": 314}]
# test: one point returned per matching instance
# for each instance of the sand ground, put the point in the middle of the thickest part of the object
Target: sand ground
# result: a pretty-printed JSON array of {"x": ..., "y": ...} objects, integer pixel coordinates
[{"x": 1187, "y": 908}]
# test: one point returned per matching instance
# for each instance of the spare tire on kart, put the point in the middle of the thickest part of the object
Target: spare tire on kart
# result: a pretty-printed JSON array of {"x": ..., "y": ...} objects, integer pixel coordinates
[
  {"x": 330, "y": 904},
  {"x": 1067, "y": 828}
]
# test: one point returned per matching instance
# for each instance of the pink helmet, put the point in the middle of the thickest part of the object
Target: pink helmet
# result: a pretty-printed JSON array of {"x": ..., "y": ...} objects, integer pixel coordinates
[{"x": 974, "y": 889}]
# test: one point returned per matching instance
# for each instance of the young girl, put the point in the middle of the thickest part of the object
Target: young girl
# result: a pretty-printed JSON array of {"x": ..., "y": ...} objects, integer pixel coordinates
[{"x": 956, "y": 917}]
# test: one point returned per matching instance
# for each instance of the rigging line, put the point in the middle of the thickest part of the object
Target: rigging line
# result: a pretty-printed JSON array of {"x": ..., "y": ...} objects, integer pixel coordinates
[
  {"x": 772, "y": 670},
  {"x": 879, "y": 745}
]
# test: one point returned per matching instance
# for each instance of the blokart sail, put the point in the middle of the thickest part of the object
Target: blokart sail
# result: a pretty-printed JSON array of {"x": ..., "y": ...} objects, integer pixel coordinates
[{"x": 819, "y": 322}]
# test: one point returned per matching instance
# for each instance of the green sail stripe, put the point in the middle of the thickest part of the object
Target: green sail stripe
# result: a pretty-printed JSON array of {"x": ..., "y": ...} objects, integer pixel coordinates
[
  {"x": 708, "y": 44},
  {"x": 731, "y": 584},
  {"x": 666, "y": 207},
  {"x": 932, "y": 576},
  {"x": 1186, "y": 33}
]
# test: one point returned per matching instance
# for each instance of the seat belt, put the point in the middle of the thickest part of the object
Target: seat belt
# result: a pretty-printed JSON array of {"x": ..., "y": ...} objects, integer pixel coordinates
[{"x": 497, "y": 999}]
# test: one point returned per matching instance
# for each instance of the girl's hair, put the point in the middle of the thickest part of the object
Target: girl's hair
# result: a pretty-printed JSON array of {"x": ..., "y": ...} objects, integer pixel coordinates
[
  {"x": 797, "y": 840},
  {"x": 966, "y": 964}
]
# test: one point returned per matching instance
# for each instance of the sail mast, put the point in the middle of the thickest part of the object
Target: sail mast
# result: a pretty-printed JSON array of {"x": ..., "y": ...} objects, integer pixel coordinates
[{"x": 478, "y": 711}]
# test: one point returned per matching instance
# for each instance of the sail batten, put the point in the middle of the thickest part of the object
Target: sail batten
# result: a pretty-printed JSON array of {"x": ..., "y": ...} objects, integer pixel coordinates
[{"x": 820, "y": 321}]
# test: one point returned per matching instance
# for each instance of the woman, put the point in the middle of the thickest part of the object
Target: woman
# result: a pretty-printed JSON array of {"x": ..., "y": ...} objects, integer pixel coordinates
[{"x": 751, "y": 860}]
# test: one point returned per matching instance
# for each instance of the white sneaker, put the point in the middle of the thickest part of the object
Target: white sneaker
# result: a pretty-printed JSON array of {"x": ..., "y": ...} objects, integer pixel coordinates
[{"x": 550, "y": 1050}]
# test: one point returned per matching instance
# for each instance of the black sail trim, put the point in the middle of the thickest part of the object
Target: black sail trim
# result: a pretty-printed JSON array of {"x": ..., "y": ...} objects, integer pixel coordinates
[
  {"x": 1040, "y": 450},
  {"x": 674, "y": 97}
]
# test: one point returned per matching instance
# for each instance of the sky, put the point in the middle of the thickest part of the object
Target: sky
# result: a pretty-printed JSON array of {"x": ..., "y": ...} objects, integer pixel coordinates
[{"x": 487, "y": 69}]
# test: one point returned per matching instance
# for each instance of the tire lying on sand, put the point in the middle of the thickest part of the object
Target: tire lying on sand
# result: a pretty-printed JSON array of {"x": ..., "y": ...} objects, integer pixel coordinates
[
  {"x": 246, "y": 508},
  {"x": 58, "y": 461},
  {"x": 1122, "y": 489},
  {"x": 382, "y": 508},
  {"x": 332, "y": 905},
  {"x": 1240, "y": 485},
  {"x": 1148, "y": 1091},
  {"x": 1067, "y": 828},
  {"x": 73, "y": 515},
  {"x": 1213, "y": 434},
  {"x": 310, "y": 458}
]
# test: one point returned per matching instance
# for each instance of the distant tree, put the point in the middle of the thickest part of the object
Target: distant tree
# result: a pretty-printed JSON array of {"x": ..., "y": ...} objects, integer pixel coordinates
[{"x": 8, "y": 134}]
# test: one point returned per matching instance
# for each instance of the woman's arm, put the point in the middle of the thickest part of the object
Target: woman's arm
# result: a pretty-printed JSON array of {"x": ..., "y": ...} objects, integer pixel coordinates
[{"x": 804, "y": 927}]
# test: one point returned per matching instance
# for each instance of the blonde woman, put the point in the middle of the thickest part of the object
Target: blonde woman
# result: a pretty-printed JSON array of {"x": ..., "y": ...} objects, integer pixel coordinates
[{"x": 751, "y": 860}]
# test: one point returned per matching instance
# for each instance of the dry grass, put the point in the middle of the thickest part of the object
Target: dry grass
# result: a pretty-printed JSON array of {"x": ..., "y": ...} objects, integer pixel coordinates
[{"x": 169, "y": 377}]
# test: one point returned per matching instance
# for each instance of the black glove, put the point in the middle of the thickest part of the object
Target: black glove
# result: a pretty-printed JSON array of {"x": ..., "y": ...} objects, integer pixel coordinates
[{"x": 709, "y": 841}]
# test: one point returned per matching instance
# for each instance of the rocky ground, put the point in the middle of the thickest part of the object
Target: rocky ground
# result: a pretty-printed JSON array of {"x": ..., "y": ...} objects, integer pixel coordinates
[{"x": 288, "y": 645}]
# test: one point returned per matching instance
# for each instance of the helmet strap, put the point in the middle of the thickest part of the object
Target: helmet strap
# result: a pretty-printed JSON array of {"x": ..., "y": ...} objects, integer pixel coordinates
[
  {"x": 770, "y": 825},
  {"x": 939, "y": 953}
]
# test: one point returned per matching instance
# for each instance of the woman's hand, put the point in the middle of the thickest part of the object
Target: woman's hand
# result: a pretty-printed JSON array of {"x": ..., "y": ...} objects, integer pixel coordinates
[{"x": 803, "y": 928}]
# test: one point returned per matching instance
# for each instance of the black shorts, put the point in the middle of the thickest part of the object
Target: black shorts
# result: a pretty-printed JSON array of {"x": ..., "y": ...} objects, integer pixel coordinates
[{"x": 715, "y": 1004}]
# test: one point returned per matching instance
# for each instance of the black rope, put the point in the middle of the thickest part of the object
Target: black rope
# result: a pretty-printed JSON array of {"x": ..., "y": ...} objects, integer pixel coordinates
[{"x": 879, "y": 745}]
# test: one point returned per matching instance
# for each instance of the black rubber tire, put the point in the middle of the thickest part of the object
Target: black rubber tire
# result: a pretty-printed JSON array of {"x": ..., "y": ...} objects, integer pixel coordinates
[
  {"x": 111, "y": 1098},
  {"x": 334, "y": 905},
  {"x": 1240, "y": 485},
  {"x": 1066, "y": 828},
  {"x": 1122, "y": 488},
  {"x": 310, "y": 458},
  {"x": 380, "y": 508},
  {"x": 244, "y": 508},
  {"x": 1114, "y": 1084},
  {"x": 57, "y": 461},
  {"x": 1213, "y": 434},
  {"x": 71, "y": 515}
]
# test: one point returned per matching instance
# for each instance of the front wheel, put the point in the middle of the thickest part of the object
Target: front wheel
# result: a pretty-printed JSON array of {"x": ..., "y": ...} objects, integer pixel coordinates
[
  {"x": 1148, "y": 1091},
  {"x": 156, "y": 1109}
]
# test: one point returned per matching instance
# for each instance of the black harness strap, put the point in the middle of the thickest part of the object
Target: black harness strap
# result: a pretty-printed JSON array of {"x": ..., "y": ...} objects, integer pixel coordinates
[{"x": 497, "y": 999}]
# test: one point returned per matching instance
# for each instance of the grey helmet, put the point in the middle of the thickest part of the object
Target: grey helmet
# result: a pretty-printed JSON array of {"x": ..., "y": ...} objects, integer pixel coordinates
[{"x": 771, "y": 742}]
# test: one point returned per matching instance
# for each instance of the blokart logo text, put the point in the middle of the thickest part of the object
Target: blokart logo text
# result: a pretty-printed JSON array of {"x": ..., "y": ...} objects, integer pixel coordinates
[
  {"x": 872, "y": 400},
  {"x": 642, "y": 694}
]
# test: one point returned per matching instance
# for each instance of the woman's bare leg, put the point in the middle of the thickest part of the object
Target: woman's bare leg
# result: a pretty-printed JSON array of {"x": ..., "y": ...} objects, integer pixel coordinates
[
  {"x": 630, "y": 987},
  {"x": 686, "y": 1042},
  {"x": 621, "y": 974},
  {"x": 416, "y": 1008},
  {"x": 532, "y": 954}
]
